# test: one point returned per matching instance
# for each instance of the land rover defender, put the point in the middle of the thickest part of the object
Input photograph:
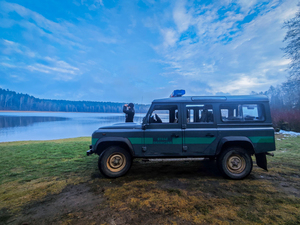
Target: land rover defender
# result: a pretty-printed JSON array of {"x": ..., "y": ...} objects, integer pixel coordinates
[{"x": 229, "y": 129}]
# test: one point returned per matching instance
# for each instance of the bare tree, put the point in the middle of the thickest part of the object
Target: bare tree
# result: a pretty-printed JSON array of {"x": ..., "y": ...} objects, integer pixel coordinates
[{"x": 292, "y": 49}]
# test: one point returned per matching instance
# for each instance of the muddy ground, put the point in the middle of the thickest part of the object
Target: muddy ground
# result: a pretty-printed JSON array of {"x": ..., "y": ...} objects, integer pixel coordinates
[{"x": 154, "y": 193}]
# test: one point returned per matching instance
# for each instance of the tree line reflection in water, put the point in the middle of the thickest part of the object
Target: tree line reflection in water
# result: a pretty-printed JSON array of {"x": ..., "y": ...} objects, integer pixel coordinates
[
  {"x": 19, "y": 126},
  {"x": 23, "y": 121}
]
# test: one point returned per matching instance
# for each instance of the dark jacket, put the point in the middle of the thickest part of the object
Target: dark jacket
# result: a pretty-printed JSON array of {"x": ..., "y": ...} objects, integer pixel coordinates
[{"x": 129, "y": 114}]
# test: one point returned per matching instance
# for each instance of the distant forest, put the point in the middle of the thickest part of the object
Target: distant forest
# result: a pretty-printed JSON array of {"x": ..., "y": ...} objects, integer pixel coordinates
[
  {"x": 285, "y": 105},
  {"x": 285, "y": 96},
  {"x": 10, "y": 100}
]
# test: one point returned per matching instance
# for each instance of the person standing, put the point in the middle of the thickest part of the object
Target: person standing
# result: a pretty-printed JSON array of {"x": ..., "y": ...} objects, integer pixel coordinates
[{"x": 128, "y": 109}]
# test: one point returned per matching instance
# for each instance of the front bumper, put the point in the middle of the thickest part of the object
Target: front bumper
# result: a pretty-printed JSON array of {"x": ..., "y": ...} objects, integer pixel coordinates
[{"x": 91, "y": 151}]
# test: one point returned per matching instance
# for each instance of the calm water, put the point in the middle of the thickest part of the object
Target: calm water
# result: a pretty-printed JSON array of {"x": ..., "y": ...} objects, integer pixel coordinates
[{"x": 22, "y": 126}]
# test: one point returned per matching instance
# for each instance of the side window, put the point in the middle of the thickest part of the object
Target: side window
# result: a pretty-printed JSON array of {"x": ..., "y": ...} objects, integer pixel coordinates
[
  {"x": 164, "y": 114},
  {"x": 242, "y": 112},
  {"x": 199, "y": 114}
]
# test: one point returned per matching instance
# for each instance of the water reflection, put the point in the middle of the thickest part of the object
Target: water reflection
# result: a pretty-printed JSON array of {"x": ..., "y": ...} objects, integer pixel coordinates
[
  {"x": 21, "y": 126},
  {"x": 23, "y": 121}
]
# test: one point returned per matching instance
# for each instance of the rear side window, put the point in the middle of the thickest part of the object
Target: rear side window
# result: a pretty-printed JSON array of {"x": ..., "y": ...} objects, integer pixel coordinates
[
  {"x": 199, "y": 114},
  {"x": 242, "y": 112}
]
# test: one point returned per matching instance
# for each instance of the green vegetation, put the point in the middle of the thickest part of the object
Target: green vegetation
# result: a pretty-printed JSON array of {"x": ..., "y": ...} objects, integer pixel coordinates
[
  {"x": 152, "y": 192},
  {"x": 288, "y": 151},
  {"x": 32, "y": 169}
]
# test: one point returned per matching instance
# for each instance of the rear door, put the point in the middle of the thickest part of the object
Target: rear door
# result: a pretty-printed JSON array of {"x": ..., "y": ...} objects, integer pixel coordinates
[{"x": 200, "y": 133}]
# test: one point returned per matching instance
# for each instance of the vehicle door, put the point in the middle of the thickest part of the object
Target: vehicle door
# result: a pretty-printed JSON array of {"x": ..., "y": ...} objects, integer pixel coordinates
[
  {"x": 200, "y": 133},
  {"x": 163, "y": 133}
]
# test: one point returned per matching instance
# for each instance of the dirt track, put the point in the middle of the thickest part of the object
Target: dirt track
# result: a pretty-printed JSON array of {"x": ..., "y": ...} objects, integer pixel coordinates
[{"x": 94, "y": 202}]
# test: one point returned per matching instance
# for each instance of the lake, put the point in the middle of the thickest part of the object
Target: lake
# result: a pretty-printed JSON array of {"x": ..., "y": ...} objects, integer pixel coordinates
[{"x": 23, "y": 126}]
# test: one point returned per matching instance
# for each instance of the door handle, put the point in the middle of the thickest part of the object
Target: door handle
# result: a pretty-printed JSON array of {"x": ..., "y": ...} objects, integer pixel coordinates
[
  {"x": 209, "y": 135},
  {"x": 175, "y": 135}
]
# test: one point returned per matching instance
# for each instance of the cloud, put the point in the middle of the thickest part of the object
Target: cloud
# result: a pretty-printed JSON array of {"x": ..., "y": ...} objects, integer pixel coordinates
[
  {"x": 182, "y": 17},
  {"x": 100, "y": 2},
  {"x": 242, "y": 84},
  {"x": 7, "y": 65},
  {"x": 10, "y": 47},
  {"x": 248, "y": 5},
  {"x": 27, "y": 13},
  {"x": 39, "y": 25},
  {"x": 47, "y": 69},
  {"x": 64, "y": 66},
  {"x": 59, "y": 69},
  {"x": 57, "y": 73},
  {"x": 230, "y": 56},
  {"x": 170, "y": 37},
  {"x": 49, "y": 65},
  {"x": 112, "y": 50},
  {"x": 36, "y": 68},
  {"x": 91, "y": 4},
  {"x": 63, "y": 32}
]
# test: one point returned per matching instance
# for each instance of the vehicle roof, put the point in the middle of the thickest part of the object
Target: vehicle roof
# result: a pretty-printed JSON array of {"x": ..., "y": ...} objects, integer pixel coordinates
[{"x": 231, "y": 98}]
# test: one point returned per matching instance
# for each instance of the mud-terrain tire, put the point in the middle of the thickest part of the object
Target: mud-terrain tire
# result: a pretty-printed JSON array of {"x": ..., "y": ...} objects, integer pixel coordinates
[
  {"x": 235, "y": 163},
  {"x": 114, "y": 162}
]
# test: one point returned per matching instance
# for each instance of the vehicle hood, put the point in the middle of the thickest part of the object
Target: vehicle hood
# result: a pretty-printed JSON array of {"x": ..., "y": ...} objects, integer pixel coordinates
[{"x": 123, "y": 126}]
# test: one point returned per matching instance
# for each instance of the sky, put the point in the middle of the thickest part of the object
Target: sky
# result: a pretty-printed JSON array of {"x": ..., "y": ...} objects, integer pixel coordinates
[{"x": 140, "y": 50}]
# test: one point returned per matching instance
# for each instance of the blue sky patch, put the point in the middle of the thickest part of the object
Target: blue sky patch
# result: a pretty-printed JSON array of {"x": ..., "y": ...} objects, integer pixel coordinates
[{"x": 133, "y": 51}]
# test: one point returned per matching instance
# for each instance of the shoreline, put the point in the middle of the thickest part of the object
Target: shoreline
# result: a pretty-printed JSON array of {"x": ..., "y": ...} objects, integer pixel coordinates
[
  {"x": 18, "y": 111},
  {"x": 46, "y": 140}
]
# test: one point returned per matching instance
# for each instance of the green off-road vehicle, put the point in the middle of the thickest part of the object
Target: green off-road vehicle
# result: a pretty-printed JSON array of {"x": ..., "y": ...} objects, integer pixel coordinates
[{"x": 229, "y": 129}]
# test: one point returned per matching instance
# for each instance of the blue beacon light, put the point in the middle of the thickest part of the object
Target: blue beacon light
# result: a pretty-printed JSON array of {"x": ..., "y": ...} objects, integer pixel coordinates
[{"x": 177, "y": 93}]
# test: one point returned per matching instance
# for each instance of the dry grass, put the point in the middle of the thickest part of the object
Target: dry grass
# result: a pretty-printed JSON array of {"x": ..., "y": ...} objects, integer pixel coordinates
[
  {"x": 14, "y": 194},
  {"x": 238, "y": 202},
  {"x": 153, "y": 192}
]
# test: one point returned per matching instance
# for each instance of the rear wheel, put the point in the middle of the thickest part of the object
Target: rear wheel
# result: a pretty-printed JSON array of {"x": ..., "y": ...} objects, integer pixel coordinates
[
  {"x": 235, "y": 163},
  {"x": 114, "y": 162}
]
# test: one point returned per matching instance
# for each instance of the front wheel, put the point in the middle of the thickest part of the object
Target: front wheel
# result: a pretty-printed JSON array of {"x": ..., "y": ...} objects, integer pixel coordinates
[
  {"x": 235, "y": 163},
  {"x": 114, "y": 162}
]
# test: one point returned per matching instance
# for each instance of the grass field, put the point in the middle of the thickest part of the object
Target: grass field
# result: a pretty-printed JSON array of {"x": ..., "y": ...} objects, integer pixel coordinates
[{"x": 54, "y": 182}]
